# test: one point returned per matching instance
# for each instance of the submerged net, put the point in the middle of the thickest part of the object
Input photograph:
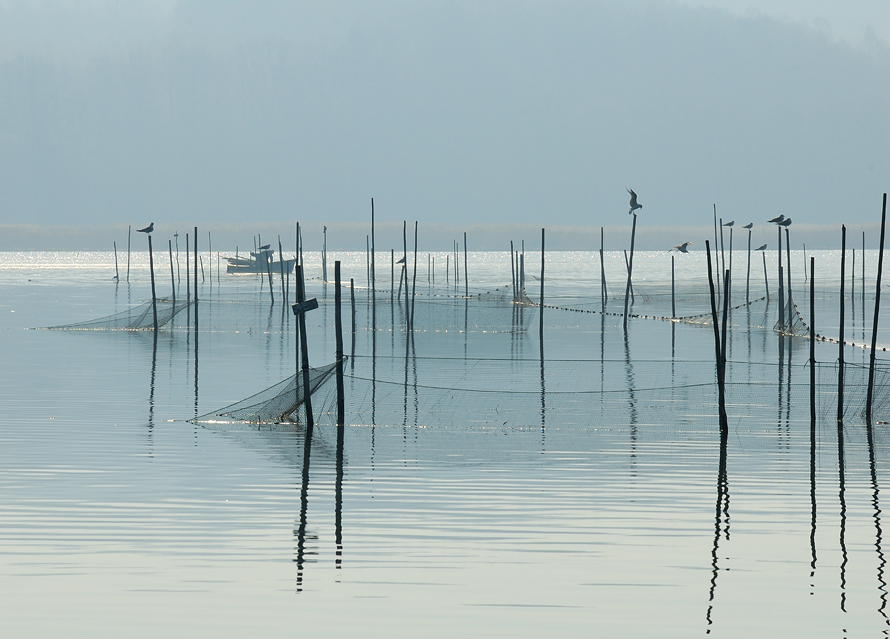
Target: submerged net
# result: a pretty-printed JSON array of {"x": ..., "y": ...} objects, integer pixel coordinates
[
  {"x": 276, "y": 404},
  {"x": 135, "y": 318}
]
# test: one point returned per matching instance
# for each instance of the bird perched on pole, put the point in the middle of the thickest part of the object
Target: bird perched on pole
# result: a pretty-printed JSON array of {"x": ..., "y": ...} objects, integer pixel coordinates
[
  {"x": 786, "y": 222},
  {"x": 749, "y": 226},
  {"x": 265, "y": 247},
  {"x": 730, "y": 223},
  {"x": 147, "y": 229},
  {"x": 682, "y": 248},
  {"x": 634, "y": 205},
  {"x": 762, "y": 247},
  {"x": 777, "y": 220}
]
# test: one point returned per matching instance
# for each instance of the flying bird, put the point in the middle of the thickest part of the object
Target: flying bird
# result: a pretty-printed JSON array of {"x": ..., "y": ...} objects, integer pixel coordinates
[
  {"x": 401, "y": 261},
  {"x": 786, "y": 222},
  {"x": 777, "y": 220},
  {"x": 147, "y": 229},
  {"x": 762, "y": 247},
  {"x": 634, "y": 205},
  {"x": 683, "y": 248},
  {"x": 730, "y": 223},
  {"x": 749, "y": 225}
]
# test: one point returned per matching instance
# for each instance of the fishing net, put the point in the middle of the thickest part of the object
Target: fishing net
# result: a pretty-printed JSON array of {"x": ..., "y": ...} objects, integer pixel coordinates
[
  {"x": 135, "y": 318},
  {"x": 278, "y": 403}
]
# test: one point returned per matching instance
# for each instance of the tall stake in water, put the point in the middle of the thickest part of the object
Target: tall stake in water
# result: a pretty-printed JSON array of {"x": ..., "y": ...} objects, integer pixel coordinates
[
  {"x": 788, "y": 268},
  {"x": 840, "y": 341},
  {"x": 117, "y": 275},
  {"x": 717, "y": 341},
  {"x": 129, "y": 229},
  {"x": 748, "y": 276},
  {"x": 630, "y": 268},
  {"x": 414, "y": 282},
  {"x": 513, "y": 270},
  {"x": 542, "y": 284},
  {"x": 466, "y": 281},
  {"x": 172, "y": 275},
  {"x": 765, "y": 277},
  {"x": 154, "y": 299},
  {"x": 602, "y": 269},
  {"x": 812, "y": 340},
  {"x": 307, "y": 395},
  {"x": 673, "y": 292},
  {"x": 338, "y": 330},
  {"x": 781, "y": 282},
  {"x": 196, "y": 271},
  {"x": 874, "y": 327}
]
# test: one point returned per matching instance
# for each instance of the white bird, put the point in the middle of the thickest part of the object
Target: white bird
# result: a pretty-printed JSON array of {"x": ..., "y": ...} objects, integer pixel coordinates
[
  {"x": 634, "y": 205},
  {"x": 786, "y": 222},
  {"x": 265, "y": 247},
  {"x": 777, "y": 220},
  {"x": 730, "y": 223},
  {"x": 762, "y": 247},
  {"x": 147, "y": 229},
  {"x": 749, "y": 225},
  {"x": 683, "y": 248}
]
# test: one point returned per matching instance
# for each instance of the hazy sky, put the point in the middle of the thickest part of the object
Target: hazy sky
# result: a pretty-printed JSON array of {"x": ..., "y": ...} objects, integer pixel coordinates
[{"x": 452, "y": 111}]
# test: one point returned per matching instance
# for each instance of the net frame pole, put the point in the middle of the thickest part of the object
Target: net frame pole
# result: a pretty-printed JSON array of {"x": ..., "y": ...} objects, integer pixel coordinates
[
  {"x": 542, "y": 287},
  {"x": 603, "y": 294},
  {"x": 840, "y": 341},
  {"x": 304, "y": 350},
  {"x": 466, "y": 280},
  {"x": 765, "y": 276},
  {"x": 813, "y": 340},
  {"x": 117, "y": 274},
  {"x": 196, "y": 268},
  {"x": 673, "y": 292},
  {"x": 513, "y": 270},
  {"x": 414, "y": 278},
  {"x": 172, "y": 274},
  {"x": 338, "y": 330},
  {"x": 874, "y": 328},
  {"x": 717, "y": 341},
  {"x": 129, "y": 230},
  {"x": 748, "y": 277},
  {"x": 154, "y": 299},
  {"x": 630, "y": 268}
]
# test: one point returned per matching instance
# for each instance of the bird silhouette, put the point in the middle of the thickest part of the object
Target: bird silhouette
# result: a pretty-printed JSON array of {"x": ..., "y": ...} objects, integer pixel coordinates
[
  {"x": 634, "y": 205},
  {"x": 777, "y": 220},
  {"x": 265, "y": 247},
  {"x": 683, "y": 248},
  {"x": 762, "y": 247},
  {"x": 730, "y": 223},
  {"x": 401, "y": 261},
  {"x": 147, "y": 229},
  {"x": 749, "y": 225},
  {"x": 786, "y": 222}
]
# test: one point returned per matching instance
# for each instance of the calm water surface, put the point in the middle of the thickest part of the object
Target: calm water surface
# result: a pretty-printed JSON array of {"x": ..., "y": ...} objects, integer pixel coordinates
[{"x": 487, "y": 484}]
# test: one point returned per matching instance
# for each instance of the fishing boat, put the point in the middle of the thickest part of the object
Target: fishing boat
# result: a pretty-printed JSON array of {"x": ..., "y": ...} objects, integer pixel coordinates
[{"x": 260, "y": 261}]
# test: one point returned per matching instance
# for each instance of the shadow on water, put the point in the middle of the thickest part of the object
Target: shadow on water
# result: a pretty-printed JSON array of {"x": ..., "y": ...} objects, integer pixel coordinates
[
  {"x": 304, "y": 507},
  {"x": 631, "y": 398},
  {"x": 843, "y": 514},
  {"x": 882, "y": 561}
]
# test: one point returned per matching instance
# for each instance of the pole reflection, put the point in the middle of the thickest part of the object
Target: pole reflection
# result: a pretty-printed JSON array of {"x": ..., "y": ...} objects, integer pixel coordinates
[{"x": 721, "y": 524}]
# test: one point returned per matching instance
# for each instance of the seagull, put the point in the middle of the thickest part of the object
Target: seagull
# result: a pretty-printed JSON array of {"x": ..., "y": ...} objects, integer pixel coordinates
[
  {"x": 786, "y": 222},
  {"x": 777, "y": 220},
  {"x": 682, "y": 247},
  {"x": 749, "y": 225},
  {"x": 265, "y": 247},
  {"x": 634, "y": 205},
  {"x": 762, "y": 247},
  {"x": 730, "y": 223},
  {"x": 147, "y": 229}
]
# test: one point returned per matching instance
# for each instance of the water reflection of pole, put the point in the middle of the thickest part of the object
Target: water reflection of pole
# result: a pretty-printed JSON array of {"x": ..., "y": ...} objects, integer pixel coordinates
[
  {"x": 882, "y": 561},
  {"x": 151, "y": 386},
  {"x": 631, "y": 396},
  {"x": 874, "y": 329},
  {"x": 304, "y": 498},
  {"x": 721, "y": 522},
  {"x": 843, "y": 512},
  {"x": 338, "y": 487}
]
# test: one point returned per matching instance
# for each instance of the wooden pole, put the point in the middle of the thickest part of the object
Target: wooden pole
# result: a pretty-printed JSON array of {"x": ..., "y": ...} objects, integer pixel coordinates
[
  {"x": 513, "y": 271},
  {"x": 716, "y": 255},
  {"x": 172, "y": 274},
  {"x": 748, "y": 277},
  {"x": 154, "y": 299},
  {"x": 812, "y": 339},
  {"x": 414, "y": 279},
  {"x": 673, "y": 292},
  {"x": 129, "y": 228},
  {"x": 781, "y": 282},
  {"x": 788, "y": 268},
  {"x": 603, "y": 293},
  {"x": 840, "y": 341},
  {"x": 196, "y": 266},
  {"x": 210, "y": 256},
  {"x": 352, "y": 302},
  {"x": 405, "y": 271},
  {"x": 117, "y": 274},
  {"x": 304, "y": 348},
  {"x": 874, "y": 326},
  {"x": 630, "y": 267},
  {"x": 466, "y": 280},
  {"x": 542, "y": 284},
  {"x": 729, "y": 290},
  {"x": 765, "y": 276},
  {"x": 717, "y": 341},
  {"x": 724, "y": 334},
  {"x": 269, "y": 274},
  {"x": 392, "y": 275},
  {"x": 188, "y": 277},
  {"x": 281, "y": 269},
  {"x": 373, "y": 273},
  {"x": 338, "y": 329}
]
